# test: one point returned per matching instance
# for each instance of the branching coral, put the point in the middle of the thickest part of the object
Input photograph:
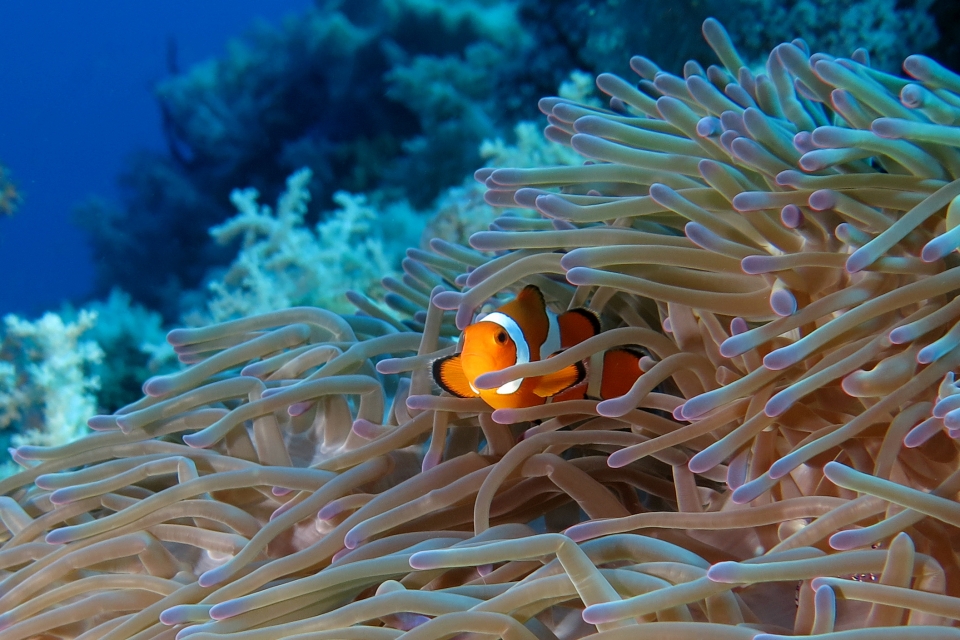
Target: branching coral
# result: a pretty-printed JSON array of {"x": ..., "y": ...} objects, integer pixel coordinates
[
  {"x": 282, "y": 263},
  {"x": 889, "y": 30},
  {"x": 781, "y": 245},
  {"x": 47, "y": 384}
]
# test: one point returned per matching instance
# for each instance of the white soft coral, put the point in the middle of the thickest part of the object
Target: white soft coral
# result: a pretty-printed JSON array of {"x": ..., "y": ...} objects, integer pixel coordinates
[
  {"x": 48, "y": 392},
  {"x": 282, "y": 263}
]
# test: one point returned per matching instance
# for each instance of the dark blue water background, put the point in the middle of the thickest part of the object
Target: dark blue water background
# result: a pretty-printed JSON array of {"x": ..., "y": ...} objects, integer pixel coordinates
[{"x": 75, "y": 100}]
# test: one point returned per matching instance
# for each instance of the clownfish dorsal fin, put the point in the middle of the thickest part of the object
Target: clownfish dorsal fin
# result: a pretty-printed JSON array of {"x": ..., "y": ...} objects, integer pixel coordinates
[
  {"x": 529, "y": 311},
  {"x": 449, "y": 376},
  {"x": 558, "y": 382},
  {"x": 576, "y": 325}
]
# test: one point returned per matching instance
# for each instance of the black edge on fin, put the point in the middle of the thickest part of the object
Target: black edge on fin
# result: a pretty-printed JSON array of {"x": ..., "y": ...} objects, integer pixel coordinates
[
  {"x": 438, "y": 377},
  {"x": 532, "y": 289},
  {"x": 590, "y": 315}
]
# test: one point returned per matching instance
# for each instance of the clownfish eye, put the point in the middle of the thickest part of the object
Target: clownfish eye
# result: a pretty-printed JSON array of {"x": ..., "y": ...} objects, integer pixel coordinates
[{"x": 501, "y": 337}]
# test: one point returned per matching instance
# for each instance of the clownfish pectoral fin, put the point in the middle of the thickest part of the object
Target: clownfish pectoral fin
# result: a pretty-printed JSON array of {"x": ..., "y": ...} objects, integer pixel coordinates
[
  {"x": 449, "y": 376},
  {"x": 558, "y": 382},
  {"x": 576, "y": 325},
  {"x": 621, "y": 368}
]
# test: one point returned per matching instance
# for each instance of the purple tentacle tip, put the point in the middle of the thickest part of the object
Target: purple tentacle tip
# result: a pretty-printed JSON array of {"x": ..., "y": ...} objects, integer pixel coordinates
[
  {"x": 59, "y": 536},
  {"x": 177, "y": 614},
  {"x": 580, "y": 532},
  {"x": 709, "y": 126},
  {"x": 179, "y": 337},
  {"x": 859, "y": 260},
  {"x": 619, "y": 459},
  {"x": 911, "y": 96},
  {"x": 505, "y": 416},
  {"x": 447, "y": 300},
  {"x": 104, "y": 423},
  {"x": 157, "y": 386},
  {"x": 723, "y": 572},
  {"x": 615, "y": 407},
  {"x": 388, "y": 366},
  {"x": 803, "y": 142},
  {"x": 599, "y": 613},
  {"x": 946, "y": 404},
  {"x": 823, "y": 199},
  {"x": 227, "y": 609},
  {"x": 952, "y": 420},
  {"x": 300, "y": 408},
  {"x": 753, "y": 265},
  {"x": 781, "y": 358},
  {"x": 365, "y": 429},
  {"x": 779, "y": 403},
  {"x": 354, "y": 538},
  {"x": 846, "y": 540},
  {"x": 889, "y": 127},
  {"x": 791, "y": 216},
  {"x": 489, "y": 380},
  {"x": 423, "y": 560},
  {"x": 702, "y": 462},
  {"x": 430, "y": 460},
  {"x": 46, "y": 481},
  {"x": 922, "y": 432},
  {"x": 464, "y": 317},
  {"x": 481, "y": 175},
  {"x": 941, "y": 246},
  {"x": 783, "y": 303},
  {"x": 784, "y": 465},
  {"x": 900, "y": 335},
  {"x": 738, "y": 325},
  {"x": 697, "y": 405},
  {"x": 196, "y": 441},
  {"x": 213, "y": 576},
  {"x": 63, "y": 496},
  {"x": 749, "y": 491},
  {"x": 579, "y": 276},
  {"x": 419, "y": 403}
]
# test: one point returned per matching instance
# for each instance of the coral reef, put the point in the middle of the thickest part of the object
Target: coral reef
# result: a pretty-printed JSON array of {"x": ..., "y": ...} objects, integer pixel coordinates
[
  {"x": 887, "y": 29},
  {"x": 59, "y": 369},
  {"x": 282, "y": 263},
  {"x": 783, "y": 246},
  {"x": 134, "y": 348},
  {"x": 47, "y": 384},
  {"x": 393, "y": 95}
]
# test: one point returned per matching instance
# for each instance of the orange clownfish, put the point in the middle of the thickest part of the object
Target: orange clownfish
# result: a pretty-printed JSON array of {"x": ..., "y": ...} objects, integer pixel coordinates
[{"x": 524, "y": 330}]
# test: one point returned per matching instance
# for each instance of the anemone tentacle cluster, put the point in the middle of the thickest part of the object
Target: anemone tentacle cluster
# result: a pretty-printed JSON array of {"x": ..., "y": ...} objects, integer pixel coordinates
[{"x": 782, "y": 244}]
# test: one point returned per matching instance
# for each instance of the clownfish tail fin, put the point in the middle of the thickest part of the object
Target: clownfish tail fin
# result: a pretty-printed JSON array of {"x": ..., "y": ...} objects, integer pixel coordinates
[{"x": 449, "y": 376}]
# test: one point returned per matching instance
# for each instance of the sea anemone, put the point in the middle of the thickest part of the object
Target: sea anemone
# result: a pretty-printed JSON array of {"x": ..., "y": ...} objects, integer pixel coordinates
[{"x": 781, "y": 245}]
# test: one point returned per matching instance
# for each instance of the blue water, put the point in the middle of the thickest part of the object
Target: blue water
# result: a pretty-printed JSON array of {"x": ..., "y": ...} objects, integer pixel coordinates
[{"x": 75, "y": 100}]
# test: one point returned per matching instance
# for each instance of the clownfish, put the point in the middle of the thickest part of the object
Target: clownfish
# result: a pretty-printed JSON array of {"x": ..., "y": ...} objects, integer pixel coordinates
[{"x": 524, "y": 330}]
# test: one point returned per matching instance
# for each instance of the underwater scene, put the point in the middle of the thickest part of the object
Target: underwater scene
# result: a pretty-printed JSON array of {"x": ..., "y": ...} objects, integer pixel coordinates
[{"x": 480, "y": 319}]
